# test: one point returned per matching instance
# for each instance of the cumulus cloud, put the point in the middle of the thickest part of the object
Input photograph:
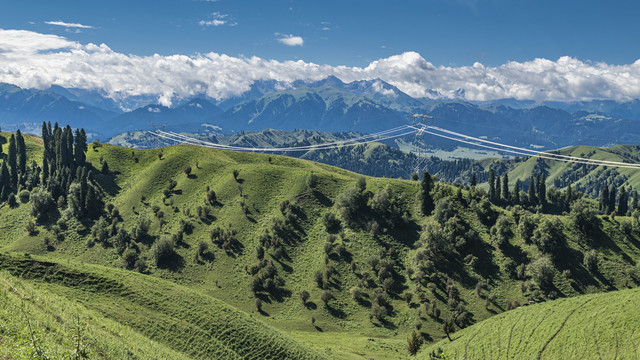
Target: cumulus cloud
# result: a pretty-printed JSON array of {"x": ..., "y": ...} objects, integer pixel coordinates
[
  {"x": 33, "y": 60},
  {"x": 68, "y": 25},
  {"x": 290, "y": 40}
]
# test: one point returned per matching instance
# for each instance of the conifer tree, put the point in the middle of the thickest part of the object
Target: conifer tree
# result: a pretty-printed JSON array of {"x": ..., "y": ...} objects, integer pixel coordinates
[
  {"x": 505, "y": 187},
  {"x": 13, "y": 162},
  {"x": 612, "y": 199},
  {"x": 516, "y": 192},
  {"x": 473, "y": 180},
  {"x": 22, "y": 153},
  {"x": 568, "y": 198},
  {"x": 532, "y": 190},
  {"x": 634, "y": 201},
  {"x": 426, "y": 186},
  {"x": 492, "y": 185},
  {"x": 497, "y": 187},
  {"x": 623, "y": 202},
  {"x": 80, "y": 148},
  {"x": 604, "y": 200},
  {"x": 542, "y": 189},
  {"x": 5, "y": 179}
]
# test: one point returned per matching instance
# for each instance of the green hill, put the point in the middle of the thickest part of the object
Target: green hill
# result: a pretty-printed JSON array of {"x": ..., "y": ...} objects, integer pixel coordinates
[
  {"x": 246, "y": 234},
  {"x": 584, "y": 327}
]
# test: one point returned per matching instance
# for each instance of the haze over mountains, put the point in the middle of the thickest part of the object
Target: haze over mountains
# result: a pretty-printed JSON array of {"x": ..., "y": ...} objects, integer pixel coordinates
[{"x": 328, "y": 105}]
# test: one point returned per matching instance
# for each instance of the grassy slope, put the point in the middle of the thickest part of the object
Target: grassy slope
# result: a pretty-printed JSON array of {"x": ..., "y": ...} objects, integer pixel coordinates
[
  {"x": 178, "y": 317},
  {"x": 59, "y": 327},
  {"x": 590, "y": 326},
  {"x": 267, "y": 181}
]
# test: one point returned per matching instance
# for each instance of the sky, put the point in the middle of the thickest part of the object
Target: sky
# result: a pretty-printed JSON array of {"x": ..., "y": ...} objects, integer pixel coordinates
[{"x": 544, "y": 50}]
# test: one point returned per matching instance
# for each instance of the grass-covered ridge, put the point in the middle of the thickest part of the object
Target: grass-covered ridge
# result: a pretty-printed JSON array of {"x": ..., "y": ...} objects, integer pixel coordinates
[
  {"x": 183, "y": 319},
  {"x": 590, "y": 326}
]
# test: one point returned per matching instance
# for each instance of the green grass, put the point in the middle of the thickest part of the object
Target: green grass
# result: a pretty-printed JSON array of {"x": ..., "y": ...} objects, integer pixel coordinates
[
  {"x": 36, "y": 323},
  {"x": 584, "y": 327}
]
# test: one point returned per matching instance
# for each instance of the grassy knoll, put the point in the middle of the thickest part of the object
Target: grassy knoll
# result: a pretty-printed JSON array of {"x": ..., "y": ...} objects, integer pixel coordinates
[{"x": 585, "y": 327}]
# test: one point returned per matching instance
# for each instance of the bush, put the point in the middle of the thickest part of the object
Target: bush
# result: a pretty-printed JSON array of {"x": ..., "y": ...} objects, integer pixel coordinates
[
  {"x": 542, "y": 271},
  {"x": 304, "y": 297},
  {"x": 414, "y": 342},
  {"x": 331, "y": 222},
  {"x": 327, "y": 296},
  {"x": 162, "y": 251},
  {"x": 24, "y": 196},
  {"x": 31, "y": 228},
  {"x": 591, "y": 260},
  {"x": 129, "y": 257},
  {"x": 41, "y": 204},
  {"x": 548, "y": 236}
]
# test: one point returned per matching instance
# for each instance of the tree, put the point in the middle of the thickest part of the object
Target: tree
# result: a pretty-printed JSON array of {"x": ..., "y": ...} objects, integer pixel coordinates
[
  {"x": 492, "y": 185},
  {"x": 473, "y": 180},
  {"x": 604, "y": 200},
  {"x": 312, "y": 181},
  {"x": 304, "y": 297},
  {"x": 591, "y": 260},
  {"x": 21, "y": 149},
  {"x": 542, "y": 271},
  {"x": 12, "y": 158},
  {"x": 105, "y": 168},
  {"x": 634, "y": 201},
  {"x": 583, "y": 217},
  {"x": 497, "y": 188},
  {"x": 426, "y": 186},
  {"x": 414, "y": 342},
  {"x": 505, "y": 187},
  {"x": 41, "y": 204},
  {"x": 187, "y": 170},
  {"x": 80, "y": 148},
  {"x": 612, "y": 199},
  {"x": 162, "y": 251},
  {"x": 542, "y": 190},
  {"x": 327, "y": 296},
  {"x": 623, "y": 202},
  {"x": 516, "y": 192},
  {"x": 532, "y": 191},
  {"x": 548, "y": 236},
  {"x": 449, "y": 328}
]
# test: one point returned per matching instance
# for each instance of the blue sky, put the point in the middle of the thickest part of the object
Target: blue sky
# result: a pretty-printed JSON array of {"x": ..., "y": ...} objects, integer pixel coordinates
[{"x": 352, "y": 33}]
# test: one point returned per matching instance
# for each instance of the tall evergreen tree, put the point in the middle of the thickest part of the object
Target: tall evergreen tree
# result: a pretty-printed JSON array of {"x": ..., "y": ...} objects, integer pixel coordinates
[
  {"x": 492, "y": 185},
  {"x": 80, "y": 148},
  {"x": 568, "y": 198},
  {"x": 473, "y": 180},
  {"x": 634, "y": 201},
  {"x": 497, "y": 187},
  {"x": 604, "y": 200},
  {"x": 532, "y": 190},
  {"x": 13, "y": 161},
  {"x": 612, "y": 199},
  {"x": 5, "y": 178},
  {"x": 516, "y": 192},
  {"x": 426, "y": 185},
  {"x": 22, "y": 153},
  {"x": 505, "y": 187},
  {"x": 542, "y": 189},
  {"x": 45, "y": 171},
  {"x": 623, "y": 202}
]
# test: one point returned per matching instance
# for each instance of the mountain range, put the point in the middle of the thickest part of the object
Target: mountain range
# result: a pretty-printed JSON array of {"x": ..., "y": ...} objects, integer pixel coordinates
[{"x": 328, "y": 105}]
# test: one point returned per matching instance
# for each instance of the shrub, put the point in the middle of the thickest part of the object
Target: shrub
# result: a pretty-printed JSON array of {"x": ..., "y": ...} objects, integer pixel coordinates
[
  {"x": 129, "y": 257},
  {"x": 591, "y": 260},
  {"x": 414, "y": 342},
  {"x": 31, "y": 228},
  {"x": 304, "y": 297},
  {"x": 41, "y": 204},
  {"x": 312, "y": 181},
  {"x": 202, "y": 248},
  {"x": 162, "y": 251},
  {"x": 24, "y": 196},
  {"x": 327, "y": 296},
  {"x": 331, "y": 222},
  {"x": 542, "y": 271},
  {"x": 378, "y": 312},
  {"x": 356, "y": 293}
]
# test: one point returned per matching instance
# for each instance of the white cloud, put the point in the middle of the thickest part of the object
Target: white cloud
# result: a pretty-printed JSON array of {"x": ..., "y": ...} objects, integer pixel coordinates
[
  {"x": 33, "y": 60},
  {"x": 68, "y": 25},
  {"x": 217, "y": 20},
  {"x": 290, "y": 40}
]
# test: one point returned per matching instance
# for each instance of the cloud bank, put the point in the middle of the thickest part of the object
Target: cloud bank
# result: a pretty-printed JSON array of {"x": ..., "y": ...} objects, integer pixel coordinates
[{"x": 33, "y": 60}]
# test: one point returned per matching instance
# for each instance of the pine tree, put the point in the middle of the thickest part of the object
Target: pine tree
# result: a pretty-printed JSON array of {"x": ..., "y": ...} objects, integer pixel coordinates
[
  {"x": 623, "y": 202},
  {"x": 532, "y": 190},
  {"x": 505, "y": 187},
  {"x": 5, "y": 178},
  {"x": 13, "y": 162},
  {"x": 542, "y": 189},
  {"x": 516, "y": 192},
  {"x": 612, "y": 199},
  {"x": 425, "y": 187},
  {"x": 497, "y": 187},
  {"x": 568, "y": 198},
  {"x": 80, "y": 148},
  {"x": 22, "y": 153},
  {"x": 604, "y": 200},
  {"x": 45, "y": 170},
  {"x": 473, "y": 180},
  {"x": 492, "y": 185},
  {"x": 634, "y": 201}
]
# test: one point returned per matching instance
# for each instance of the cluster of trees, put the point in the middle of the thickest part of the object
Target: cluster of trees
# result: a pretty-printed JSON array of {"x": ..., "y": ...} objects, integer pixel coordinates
[
  {"x": 607, "y": 201},
  {"x": 14, "y": 173}
]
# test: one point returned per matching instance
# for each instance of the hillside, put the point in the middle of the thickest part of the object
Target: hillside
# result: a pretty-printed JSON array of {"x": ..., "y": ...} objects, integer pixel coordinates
[
  {"x": 250, "y": 233},
  {"x": 590, "y": 326}
]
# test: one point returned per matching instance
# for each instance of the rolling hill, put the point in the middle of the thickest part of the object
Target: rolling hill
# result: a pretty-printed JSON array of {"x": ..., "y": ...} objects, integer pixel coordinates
[
  {"x": 584, "y": 327},
  {"x": 250, "y": 234}
]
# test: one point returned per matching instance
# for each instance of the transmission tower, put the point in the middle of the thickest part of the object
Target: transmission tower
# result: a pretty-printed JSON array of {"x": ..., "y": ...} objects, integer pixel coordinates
[{"x": 420, "y": 124}]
